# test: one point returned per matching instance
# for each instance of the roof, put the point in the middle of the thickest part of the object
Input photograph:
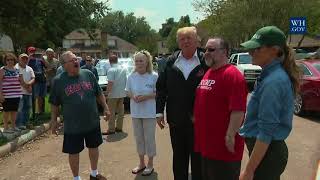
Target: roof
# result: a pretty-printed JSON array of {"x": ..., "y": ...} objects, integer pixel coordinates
[
  {"x": 81, "y": 34},
  {"x": 294, "y": 39}
]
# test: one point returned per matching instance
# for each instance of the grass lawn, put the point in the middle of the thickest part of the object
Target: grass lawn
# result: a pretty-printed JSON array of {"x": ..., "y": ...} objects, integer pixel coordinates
[
  {"x": 39, "y": 120},
  {"x": 32, "y": 122}
]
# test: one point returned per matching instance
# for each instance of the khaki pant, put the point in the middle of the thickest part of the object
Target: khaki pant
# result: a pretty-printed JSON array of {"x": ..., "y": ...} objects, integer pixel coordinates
[
  {"x": 144, "y": 130},
  {"x": 115, "y": 106}
]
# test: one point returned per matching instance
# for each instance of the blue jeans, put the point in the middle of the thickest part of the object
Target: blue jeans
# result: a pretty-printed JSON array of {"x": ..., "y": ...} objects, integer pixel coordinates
[{"x": 24, "y": 110}]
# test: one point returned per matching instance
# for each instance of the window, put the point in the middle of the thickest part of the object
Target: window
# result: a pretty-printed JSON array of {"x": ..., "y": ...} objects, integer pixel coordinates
[
  {"x": 234, "y": 60},
  {"x": 317, "y": 66},
  {"x": 112, "y": 43},
  {"x": 125, "y": 54},
  {"x": 245, "y": 59},
  {"x": 305, "y": 70}
]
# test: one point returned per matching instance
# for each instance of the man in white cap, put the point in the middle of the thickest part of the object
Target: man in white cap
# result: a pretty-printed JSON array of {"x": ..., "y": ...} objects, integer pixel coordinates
[{"x": 25, "y": 101}]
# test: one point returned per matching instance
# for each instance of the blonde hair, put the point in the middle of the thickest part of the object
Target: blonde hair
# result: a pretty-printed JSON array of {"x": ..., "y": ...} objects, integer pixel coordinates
[
  {"x": 291, "y": 67},
  {"x": 187, "y": 30},
  {"x": 148, "y": 56}
]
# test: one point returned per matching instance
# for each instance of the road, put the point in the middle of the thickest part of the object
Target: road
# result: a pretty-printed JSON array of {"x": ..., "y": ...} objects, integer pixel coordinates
[{"x": 42, "y": 159}]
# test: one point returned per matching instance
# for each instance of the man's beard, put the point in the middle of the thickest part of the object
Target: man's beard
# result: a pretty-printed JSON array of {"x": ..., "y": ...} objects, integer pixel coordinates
[{"x": 210, "y": 62}]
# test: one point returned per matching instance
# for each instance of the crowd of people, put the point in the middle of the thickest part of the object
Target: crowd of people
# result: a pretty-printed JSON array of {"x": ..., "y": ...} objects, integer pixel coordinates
[
  {"x": 204, "y": 97},
  {"x": 24, "y": 81}
]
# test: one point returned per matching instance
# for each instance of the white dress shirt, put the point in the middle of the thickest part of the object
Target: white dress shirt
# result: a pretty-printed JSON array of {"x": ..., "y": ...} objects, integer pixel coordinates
[{"x": 187, "y": 65}]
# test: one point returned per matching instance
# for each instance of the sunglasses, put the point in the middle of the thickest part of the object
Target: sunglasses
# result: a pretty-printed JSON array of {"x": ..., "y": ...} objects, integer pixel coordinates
[
  {"x": 10, "y": 60},
  {"x": 212, "y": 49}
]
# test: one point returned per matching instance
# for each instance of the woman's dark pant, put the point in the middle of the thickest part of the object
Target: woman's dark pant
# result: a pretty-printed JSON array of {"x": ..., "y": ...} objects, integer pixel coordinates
[
  {"x": 274, "y": 161},
  {"x": 216, "y": 169}
]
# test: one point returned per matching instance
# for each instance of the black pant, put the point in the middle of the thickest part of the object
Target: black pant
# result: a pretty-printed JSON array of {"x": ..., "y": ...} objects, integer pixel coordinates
[
  {"x": 216, "y": 169},
  {"x": 182, "y": 146},
  {"x": 274, "y": 161}
]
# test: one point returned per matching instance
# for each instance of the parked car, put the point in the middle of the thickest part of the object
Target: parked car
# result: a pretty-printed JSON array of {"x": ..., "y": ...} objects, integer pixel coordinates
[
  {"x": 243, "y": 61},
  {"x": 309, "y": 97},
  {"x": 102, "y": 67},
  {"x": 127, "y": 64}
]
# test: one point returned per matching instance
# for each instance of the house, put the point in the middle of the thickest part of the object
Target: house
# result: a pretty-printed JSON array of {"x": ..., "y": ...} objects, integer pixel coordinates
[
  {"x": 162, "y": 48},
  {"x": 80, "y": 42},
  {"x": 307, "y": 41},
  {"x": 6, "y": 44}
]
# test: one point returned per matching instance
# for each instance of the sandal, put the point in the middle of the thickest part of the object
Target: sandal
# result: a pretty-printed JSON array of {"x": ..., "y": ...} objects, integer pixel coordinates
[
  {"x": 137, "y": 170},
  {"x": 147, "y": 171}
]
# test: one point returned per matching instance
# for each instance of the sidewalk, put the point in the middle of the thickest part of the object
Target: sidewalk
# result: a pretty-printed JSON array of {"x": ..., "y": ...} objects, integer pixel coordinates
[{"x": 17, "y": 139}]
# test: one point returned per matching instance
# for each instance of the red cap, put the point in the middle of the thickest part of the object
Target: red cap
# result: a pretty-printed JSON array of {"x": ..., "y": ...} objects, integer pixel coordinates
[{"x": 31, "y": 49}]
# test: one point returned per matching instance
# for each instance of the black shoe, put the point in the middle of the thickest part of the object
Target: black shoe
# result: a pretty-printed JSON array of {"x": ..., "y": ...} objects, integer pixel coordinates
[
  {"x": 98, "y": 177},
  {"x": 119, "y": 130},
  {"x": 108, "y": 133}
]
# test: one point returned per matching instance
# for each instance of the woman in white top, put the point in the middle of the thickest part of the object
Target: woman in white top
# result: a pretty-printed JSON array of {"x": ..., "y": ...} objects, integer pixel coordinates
[{"x": 141, "y": 88}]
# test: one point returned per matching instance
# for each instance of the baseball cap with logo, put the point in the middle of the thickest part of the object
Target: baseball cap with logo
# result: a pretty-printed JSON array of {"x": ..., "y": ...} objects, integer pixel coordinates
[
  {"x": 23, "y": 55},
  {"x": 266, "y": 36},
  {"x": 31, "y": 49}
]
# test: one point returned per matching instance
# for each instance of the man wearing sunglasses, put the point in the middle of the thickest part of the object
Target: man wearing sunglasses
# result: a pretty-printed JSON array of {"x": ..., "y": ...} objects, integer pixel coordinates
[
  {"x": 176, "y": 87},
  {"x": 220, "y": 105},
  {"x": 89, "y": 65}
]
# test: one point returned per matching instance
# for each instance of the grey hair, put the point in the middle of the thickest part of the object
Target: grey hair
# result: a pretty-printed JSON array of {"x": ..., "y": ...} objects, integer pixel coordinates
[
  {"x": 280, "y": 52},
  {"x": 64, "y": 56}
]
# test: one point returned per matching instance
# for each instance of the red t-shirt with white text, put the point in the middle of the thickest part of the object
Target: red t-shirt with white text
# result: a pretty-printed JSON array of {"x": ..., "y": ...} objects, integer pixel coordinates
[{"x": 220, "y": 92}]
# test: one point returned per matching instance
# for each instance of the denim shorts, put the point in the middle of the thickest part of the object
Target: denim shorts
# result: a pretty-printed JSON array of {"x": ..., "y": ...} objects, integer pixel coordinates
[{"x": 40, "y": 89}]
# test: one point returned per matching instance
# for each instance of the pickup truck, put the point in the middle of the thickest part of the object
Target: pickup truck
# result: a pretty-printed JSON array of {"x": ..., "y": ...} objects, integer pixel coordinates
[{"x": 243, "y": 62}]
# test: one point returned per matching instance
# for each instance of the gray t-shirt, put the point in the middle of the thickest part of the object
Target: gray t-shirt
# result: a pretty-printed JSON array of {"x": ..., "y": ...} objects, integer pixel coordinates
[
  {"x": 118, "y": 76},
  {"x": 77, "y": 95}
]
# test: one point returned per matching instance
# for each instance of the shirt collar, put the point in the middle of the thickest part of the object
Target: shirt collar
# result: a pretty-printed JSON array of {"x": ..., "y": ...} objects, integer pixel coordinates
[
  {"x": 195, "y": 56},
  {"x": 270, "y": 67}
]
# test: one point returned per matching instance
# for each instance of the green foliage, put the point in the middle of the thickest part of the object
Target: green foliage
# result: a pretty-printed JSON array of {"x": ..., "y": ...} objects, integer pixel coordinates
[
  {"x": 132, "y": 29},
  {"x": 44, "y": 23},
  {"x": 237, "y": 20},
  {"x": 172, "y": 38},
  {"x": 3, "y": 140},
  {"x": 167, "y": 27}
]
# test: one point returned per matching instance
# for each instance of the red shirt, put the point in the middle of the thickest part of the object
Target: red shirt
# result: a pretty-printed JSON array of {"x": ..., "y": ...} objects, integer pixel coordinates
[{"x": 220, "y": 92}]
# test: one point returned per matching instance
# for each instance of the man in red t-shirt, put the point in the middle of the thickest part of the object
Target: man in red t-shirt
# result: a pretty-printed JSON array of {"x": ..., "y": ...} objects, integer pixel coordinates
[{"x": 219, "y": 110}]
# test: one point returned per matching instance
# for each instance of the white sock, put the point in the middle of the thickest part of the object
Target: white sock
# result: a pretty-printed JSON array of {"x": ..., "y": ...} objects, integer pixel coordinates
[
  {"x": 94, "y": 173},
  {"x": 77, "y": 178}
]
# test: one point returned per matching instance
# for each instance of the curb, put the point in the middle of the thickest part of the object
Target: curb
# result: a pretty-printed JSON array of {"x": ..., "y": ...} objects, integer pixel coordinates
[{"x": 21, "y": 140}]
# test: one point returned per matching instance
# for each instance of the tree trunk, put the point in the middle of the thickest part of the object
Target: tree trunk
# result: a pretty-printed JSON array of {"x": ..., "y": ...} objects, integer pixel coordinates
[{"x": 299, "y": 44}]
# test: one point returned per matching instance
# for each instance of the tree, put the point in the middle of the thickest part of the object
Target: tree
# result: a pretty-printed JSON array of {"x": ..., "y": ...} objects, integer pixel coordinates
[
  {"x": 167, "y": 27},
  {"x": 132, "y": 29},
  {"x": 172, "y": 38},
  {"x": 45, "y": 23},
  {"x": 237, "y": 20}
]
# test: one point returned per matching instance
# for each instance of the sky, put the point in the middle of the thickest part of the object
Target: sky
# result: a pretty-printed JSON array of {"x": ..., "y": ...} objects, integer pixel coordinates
[{"x": 157, "y": 11}]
